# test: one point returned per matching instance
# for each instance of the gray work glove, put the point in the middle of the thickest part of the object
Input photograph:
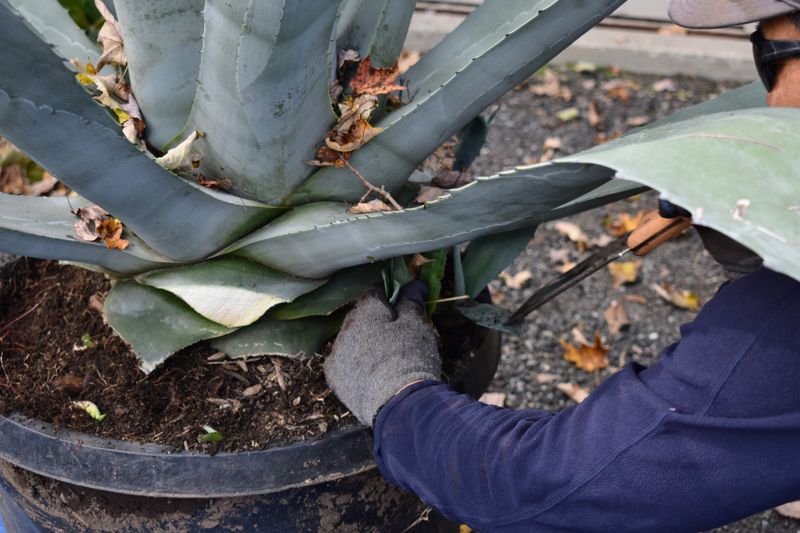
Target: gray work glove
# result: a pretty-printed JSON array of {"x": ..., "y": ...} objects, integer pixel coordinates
[
  {"x": 381, "y": 349},
  {"x": 736, "y": 260}
]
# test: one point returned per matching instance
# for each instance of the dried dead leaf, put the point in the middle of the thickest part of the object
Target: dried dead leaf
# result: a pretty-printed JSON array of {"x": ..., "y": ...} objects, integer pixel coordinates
[
  {"x": 253, "y": 391},
  {"x": 603, "y": 137},
  {"x": 624, "y": 272},
  {"x": 593, "y": 116},
  {"x": 791, "y": 509},
  {"x": 620, "y": 89},
  {"x": 373, "y": 206},
  {"x": 416, "y": 262},
  {"x": 348, "y": 56},
  {"x": 738, "y": 212},
  {"x": 96, "y": 302},
  {"x": 90, "y": 218},
  {"x": 110, "y": 38},
  {"x": 493, "y": 398},
  {"x": 180, "y": 157},
  {"x": 624, "y": 223},
  {"x": 568, "y": 114},
  {"x": 672, "y": 29},
  {"x": 70, "y": 383},
  {"x": 551, "y": 86},
  {"x": 428, "y": 194},
  {"x": 565, "y": 267},
  {"x": 665, "y": 85},
  {"x": 588, "y": 357},
  {"x": 516, "y": 281},
  {"x": 682, "y": 299},
  {"x": 407, "y": 59},
  {"x": 224, "y": 184},
  {"x": 110, "y": 230},
  {"x": 639, "y": 120},
  {"x": 325, "y": 157},
  {"x": 635, "y": 298},
  {"x": 617, "y": 317},
  {"x": 574, "y": 391},
  {"x": 544, "y": 379},
  {"x": 552, "y": 143},
  {"x": 572, "y": 231},
  {"x": 369, "y": 80}
]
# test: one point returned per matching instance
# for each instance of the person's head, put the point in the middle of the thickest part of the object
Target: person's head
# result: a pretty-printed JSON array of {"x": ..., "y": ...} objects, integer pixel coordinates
[{"x": 776, "y": 44}]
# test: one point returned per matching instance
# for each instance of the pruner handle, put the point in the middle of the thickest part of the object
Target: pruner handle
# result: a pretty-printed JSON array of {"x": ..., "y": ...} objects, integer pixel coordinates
[{"x": 654, "y": 230}]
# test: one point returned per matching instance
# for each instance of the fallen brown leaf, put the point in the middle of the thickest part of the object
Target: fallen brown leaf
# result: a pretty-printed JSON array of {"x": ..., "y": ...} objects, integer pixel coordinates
[
  {"x": 565, "y": 267},
  {"x": 603, "y": 137},
  {"x": 428, "y": 194},
  {"x": 325, "y": 157},
  {"x": 635, "y": 298},
  {"x": 574, "y": 391},
  {"x": 110, "y": 230},
  {"x": 682, "y": 299},
  {"x": 665, "y": 85},
  {"x": 407, "y": 59},
  {"x": 593, "y": 116},
  {"x": 637, "y": 121},
  {"x": 516, "y": 281},
  {"x": 369, "y": 80},
  {"x": 90, "y": 218},
  {"x": 544, "y": 379},
  {"x": 588, "y": 357},
  {"x": 617, "y": 317},
  {"x": 373, "y": 206},
  {"x": 96, "y": 302},
  {"x": 70, "y": 383},
  {"x": 416, "y": 262},
  {"x": 252, "y": 391},
  {"x": 493, "y": 398},
  {"x": 224, "y": 184},
  {"x": 624, "y": 223},
  {"x": 572, "y": 231},
  {"x": 624, "y": 272},
  {"x": 791, "y": 509},
  {"x": 110, "y": 38}
]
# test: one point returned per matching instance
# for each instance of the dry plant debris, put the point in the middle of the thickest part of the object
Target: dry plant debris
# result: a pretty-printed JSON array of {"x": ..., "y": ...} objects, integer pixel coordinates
[
  {"x": 585, "y": 355},
  {"x": 681, "y": 299},
  {"x": 95, "y": 223},
  {"x": 616, "y": 317},
  {"x": 624, "y": 272},
  {"x": 574, "y": 391}
]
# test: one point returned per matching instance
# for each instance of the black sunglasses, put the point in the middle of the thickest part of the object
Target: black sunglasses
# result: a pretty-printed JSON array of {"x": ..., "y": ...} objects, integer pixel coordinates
[{"x": 766, "y": 53}]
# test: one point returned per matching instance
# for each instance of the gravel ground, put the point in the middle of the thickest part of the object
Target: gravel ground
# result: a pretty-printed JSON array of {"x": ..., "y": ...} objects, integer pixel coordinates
[{"x": 516, "y": 138}]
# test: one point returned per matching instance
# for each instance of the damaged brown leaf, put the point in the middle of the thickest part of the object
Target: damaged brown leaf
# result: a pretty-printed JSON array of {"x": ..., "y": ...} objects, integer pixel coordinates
[
  {"x": 624, "y": 223},
  {"x": 574, "y": 391},
  {"x": 373, "y": 206},
  {"x": 110, "y": 230},
  {"x": 110, "y": 38},
  {"x": 428, "y": 194},
  {"x": 624, "y": 272},
  {"x": 516, "y": 281},
  {"x": 375, "y": 81},
  {"x": 616, "y": 317},
  {"x": 588, "y": 357},
  {"x": 682, "y": 299}
]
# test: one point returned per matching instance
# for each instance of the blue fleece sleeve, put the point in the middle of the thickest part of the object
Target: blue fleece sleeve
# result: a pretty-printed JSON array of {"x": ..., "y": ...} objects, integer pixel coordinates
[{"x": 709, "y": 435}]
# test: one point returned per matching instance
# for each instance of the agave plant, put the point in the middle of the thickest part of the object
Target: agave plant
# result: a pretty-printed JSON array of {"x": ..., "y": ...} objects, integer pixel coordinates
[{"x": 263, "y": 267}]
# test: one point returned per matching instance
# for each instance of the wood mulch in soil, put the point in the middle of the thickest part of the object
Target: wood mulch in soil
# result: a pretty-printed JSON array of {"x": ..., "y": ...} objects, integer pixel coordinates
[{"x": 55, "y": 349}]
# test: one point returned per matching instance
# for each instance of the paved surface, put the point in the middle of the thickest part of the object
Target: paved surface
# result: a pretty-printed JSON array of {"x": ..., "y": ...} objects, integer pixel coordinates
[{"x": 654, "y": 48}]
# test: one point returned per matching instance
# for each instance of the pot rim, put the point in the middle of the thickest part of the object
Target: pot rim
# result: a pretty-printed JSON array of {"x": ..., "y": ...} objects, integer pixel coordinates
[{"x": 151, "y": 470}]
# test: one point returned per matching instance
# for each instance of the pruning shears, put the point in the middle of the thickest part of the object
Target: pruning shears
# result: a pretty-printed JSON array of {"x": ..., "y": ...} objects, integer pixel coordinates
[{"x": 653, "y": 231}]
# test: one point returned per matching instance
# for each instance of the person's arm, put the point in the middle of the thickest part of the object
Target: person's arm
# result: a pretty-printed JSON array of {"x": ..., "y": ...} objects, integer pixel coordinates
[{"x": 709, "y": 435}]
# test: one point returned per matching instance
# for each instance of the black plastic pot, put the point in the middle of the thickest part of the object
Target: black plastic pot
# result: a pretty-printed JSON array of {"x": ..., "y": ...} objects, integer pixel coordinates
[{"x": 66, "y": 481}]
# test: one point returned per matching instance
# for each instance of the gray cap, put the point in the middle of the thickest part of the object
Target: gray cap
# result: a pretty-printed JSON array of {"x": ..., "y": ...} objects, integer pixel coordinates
[{"x": 721, "y": 13}]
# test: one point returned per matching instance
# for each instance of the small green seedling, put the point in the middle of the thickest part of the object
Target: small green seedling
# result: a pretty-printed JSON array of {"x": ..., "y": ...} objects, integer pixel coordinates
[
  {"x": 91, "y": 409},
  {"x": 211, "y": 435},
  {"x": 87, "y": 341}
]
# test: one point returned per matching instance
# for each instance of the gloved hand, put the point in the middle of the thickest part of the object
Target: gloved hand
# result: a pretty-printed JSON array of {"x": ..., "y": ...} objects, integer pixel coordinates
[
  {"x": 381, "y": 349},
  {"x": 735, "y": 259}
]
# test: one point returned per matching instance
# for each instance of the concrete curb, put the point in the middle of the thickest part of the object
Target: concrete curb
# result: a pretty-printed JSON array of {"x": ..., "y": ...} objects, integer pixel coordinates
[{"x": 720, "y": 58}]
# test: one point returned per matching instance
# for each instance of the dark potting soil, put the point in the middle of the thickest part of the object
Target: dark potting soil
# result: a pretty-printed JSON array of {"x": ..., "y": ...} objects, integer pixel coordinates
[{"x": 56, "y": 349}]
